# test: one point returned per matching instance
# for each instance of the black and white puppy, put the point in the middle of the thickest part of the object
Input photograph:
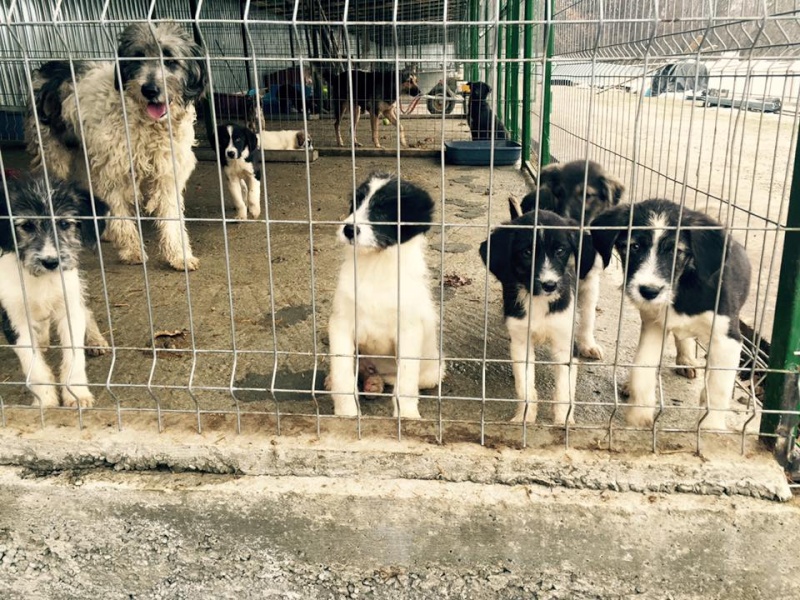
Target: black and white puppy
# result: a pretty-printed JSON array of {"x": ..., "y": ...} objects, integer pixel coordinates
[
  {"x": 534, "y": 257},
  {"x": 238, "y": 154},
  {"x": 481, "y": 116},
  {"x": 383, "y": 304},
  {"x": 39, "y": 260},
  {"x": 683, "y": 302},
  {"x": 579, "y": 190}
]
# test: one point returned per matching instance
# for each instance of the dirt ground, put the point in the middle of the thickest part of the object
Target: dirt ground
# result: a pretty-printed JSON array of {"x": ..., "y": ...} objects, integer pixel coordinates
[{"x": 246, "y": 333}]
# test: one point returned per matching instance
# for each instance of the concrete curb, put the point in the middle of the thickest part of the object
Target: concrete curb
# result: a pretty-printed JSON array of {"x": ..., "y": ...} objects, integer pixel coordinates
[{"x": 336, "y": 456}]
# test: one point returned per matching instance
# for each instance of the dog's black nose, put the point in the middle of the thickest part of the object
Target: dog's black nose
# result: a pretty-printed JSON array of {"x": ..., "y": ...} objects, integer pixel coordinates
[
  {"x": 650, "y": 292},
  {"x": 51, "y": 264},
  {"x": 549, "y": 286},
  {"x": 350, "y": 231},
  {"x": 231, "y": 153},
  {"x": 151, "y": 91}
]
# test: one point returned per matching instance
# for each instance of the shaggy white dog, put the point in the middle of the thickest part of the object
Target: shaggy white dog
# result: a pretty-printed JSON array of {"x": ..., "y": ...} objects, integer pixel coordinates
[{"x": 138, "y": 141}]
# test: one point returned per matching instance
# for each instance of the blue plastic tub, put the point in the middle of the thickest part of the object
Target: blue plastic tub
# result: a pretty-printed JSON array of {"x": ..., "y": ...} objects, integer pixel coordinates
[{"x": 479, "y": 153}]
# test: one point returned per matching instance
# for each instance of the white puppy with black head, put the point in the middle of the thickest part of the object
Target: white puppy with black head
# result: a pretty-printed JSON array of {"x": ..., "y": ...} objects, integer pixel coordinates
[
  {"x": 39, "y": 259},
  {"x": 699, "y": 299},
  {"x": 238, "y": 147},
  {"x": 383, "y": 304}
]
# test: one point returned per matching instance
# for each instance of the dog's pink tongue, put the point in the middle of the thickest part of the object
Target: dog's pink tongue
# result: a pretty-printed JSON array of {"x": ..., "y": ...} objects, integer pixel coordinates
[{"x": 156, "y": 111}]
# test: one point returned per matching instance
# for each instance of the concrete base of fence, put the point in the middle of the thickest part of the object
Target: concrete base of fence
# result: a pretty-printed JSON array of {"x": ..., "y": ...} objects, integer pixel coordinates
[{"x": 179, "y": 514}]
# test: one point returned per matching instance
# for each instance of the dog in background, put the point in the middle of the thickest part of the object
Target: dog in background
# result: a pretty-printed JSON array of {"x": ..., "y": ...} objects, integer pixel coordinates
[
  {"x": 684, "y": 301},
  {"x": 140, "y": 119},
  {"x": 44, "y": 246},
  {"x": 481, "y": 116},
  {"x": 237, "y": 153},
  {"x": 375, "y": 92},
  {"x": 578, "y": 190},
  {"x": 287, "y": 139},
  {"x": 535, "y": 258},
  {"x": 366, "y": 299}
]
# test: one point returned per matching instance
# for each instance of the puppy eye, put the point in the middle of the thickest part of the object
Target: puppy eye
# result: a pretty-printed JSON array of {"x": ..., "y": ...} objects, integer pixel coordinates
[
  {"x": 561, "y": 251},
  {"x": 28, "y": 226},
  {"x": 63, "y": 224},
  {"x": 527, "y": 252},
  {"x": 170, "y": 63},
  {"x": 635, "y": 246}
]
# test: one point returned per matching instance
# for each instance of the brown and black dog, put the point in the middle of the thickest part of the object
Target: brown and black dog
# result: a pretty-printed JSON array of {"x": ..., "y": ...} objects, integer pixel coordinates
[{"x": 373, "y": 91}]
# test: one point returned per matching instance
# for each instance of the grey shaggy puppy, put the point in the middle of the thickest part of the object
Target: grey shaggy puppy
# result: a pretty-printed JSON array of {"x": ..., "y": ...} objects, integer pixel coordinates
[
  {"x": 40, "y": 242},
  {"x": 149, "y": 101}
]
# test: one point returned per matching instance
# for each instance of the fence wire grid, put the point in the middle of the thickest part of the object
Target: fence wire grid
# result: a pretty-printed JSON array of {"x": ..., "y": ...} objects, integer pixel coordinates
[{"x": 696, "y": 102}]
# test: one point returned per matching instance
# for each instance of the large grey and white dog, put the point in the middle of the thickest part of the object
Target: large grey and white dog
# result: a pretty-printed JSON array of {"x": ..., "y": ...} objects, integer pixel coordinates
[{"x": 136, "y": 126}]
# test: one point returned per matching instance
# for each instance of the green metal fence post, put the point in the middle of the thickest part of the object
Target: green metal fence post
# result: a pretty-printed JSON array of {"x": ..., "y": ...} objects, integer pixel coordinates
[
  {"x": 527, "y": 87},
  {"x": 474, "y": 39},
  {"x": 547, "y": 97},
  {"x": 512, "y": 70},
  {"x": 786, "y": 333},
  {"x": 499, "y": 91}
]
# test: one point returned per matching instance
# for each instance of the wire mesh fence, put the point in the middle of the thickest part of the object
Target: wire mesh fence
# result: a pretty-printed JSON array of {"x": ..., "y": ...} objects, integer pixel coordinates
[{"x": 693, "y": 102}]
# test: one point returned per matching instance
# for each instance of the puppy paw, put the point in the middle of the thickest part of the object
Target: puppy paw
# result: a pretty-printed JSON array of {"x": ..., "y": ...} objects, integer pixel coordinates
[
  {"x": 715, "y": 421},
  {"x": 528, "y": 416},
  {"x": 590, "y": 350},
  {"x": 344, "y": 406},
  {"x": 560, "y": 415},
  {"x": 430, "y": 376},
  {"x": 44, "y": 395},
  {"x": 408, "y": 409},
  {"x": 77, "y": 396},
  {"x": 241, "y": 215},
  {"x": 96, "y": 345},
  {"x": 255, "y": 211},
  {"x": 97, "y": 350},
  {"x": 688, "y": 366},
  {"x": 639, "y": 416}
]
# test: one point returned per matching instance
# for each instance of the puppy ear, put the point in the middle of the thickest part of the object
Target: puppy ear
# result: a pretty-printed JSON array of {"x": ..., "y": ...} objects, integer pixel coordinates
[
  {"x": 550, "y": 177},
  {"x": 498, "y": 251},
  {"x": 614, "y": 189},
  {"x": 88, "y": 220},
  {"x": 706, "y": 246},
  {"x": 515, "y": 206},
  {"x": 587, "y": 256},
  {"x": 252, "y": 140},
  {"x": 603, "y": 239},
  {"x": 300, "y": 139},
  {"x": 6, "y": 236}
]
